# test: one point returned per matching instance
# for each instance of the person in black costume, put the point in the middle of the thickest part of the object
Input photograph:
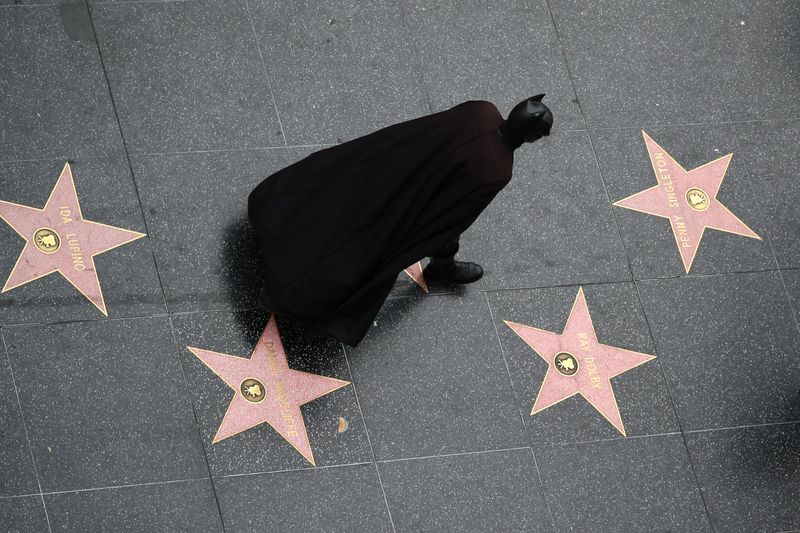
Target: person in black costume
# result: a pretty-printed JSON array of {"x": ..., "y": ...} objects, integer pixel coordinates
[{"x": 337, "y": 227}]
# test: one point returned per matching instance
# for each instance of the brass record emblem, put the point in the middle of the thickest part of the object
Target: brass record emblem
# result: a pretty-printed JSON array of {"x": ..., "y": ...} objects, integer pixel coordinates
[
  {"x": 566, "y": 363},
  {"x": 46, "y": 240},
  {"x": 697, "y": 199},
  {"x": 252, "y": 390}
]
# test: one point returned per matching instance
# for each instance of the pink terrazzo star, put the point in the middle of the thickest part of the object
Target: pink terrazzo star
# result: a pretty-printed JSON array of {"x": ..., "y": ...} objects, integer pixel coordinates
[
  {"x": 58, "y": 239},
  {"x": 415, "y": 273},
  {"x": 267, "y": 390},
  {"x": 578, "y": 363},
  {"x": 688, "y": 199}
]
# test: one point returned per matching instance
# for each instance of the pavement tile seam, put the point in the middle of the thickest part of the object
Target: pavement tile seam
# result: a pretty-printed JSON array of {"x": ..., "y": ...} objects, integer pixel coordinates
[
  {"x": 566, "y": 63},
  {"x": 127, "y": 155},
  {"x": 127, "y": 486},
  {"x": 772, "y": 248},
  {"x": 586, "y": 123},
  {"x": 135, "y": 1},
  {"x": 519, "y": 410},
  {"x": 196, "y": 421},
  {"x": 671, "y": 400},
  {"x": 366, "y": 431},
  {"x": 27, "y": 5},
  {"x": 400, "y": 296},
  {"x": 24, "y": 426},
  {"x": 710, "y": 123},
  {"x": 266, "y": 71},
  {"x": 594, "y": 441},
  {"x": 791, "y": 306},
  {"x": 287, "y": 470},
  {"x": 765, "y": 237},
  {"x": 749, "y": 426},
  {"x": 457, "y": 454},
  {"x": 226, "y": 150},
  {"x": 684, "y": 432},
  {"x": 418, "y": 70}
]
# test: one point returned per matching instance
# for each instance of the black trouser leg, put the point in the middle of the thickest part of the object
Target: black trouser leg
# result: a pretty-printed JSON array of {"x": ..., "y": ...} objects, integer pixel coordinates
[{"x": 446, "y": 252}]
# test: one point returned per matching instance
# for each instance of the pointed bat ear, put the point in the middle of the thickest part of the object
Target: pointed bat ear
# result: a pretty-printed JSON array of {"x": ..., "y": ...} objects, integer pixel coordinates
[{"x": 537, "y": 98}]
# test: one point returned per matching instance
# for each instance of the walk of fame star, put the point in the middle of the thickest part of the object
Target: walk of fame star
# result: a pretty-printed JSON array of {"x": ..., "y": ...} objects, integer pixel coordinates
[
  {"x": 688, "y": 199},
  {"x": 267, "y": 390},
  {"x": 578, "y": 363},
  {"x": 415, "y": 273},
  {"x": 58, "y": 239}
]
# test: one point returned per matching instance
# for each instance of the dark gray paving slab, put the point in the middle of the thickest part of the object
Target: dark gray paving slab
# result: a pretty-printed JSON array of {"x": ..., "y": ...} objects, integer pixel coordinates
[
  {"x": 183, "y": 506},
  {"x": 127, "y": 274},
  {"x": 431, "y": 379},
  {"x": 750, "y": 477},
  {"x": 105, "y": 403},
  {"x": 501, "y": 52},
  {"x": 766, "y": 154},
  {"x": 641, "y": 393},
  {"x": 649, "y": 240},
  {"x": 196, "y": 208},
  {"x": 496, "y": 491},
  {"x": 55, "y": 98},
  {"x": 643, "y": 484},
  {"x": 262, "y": 449},
  {"x": 19, "y": 476},
  {"x": 757, "y": 43},
  {"x": 12, "y": 3},
  {"x": 728, "y": 345},
  {"x": 23, "y": 515},
  {"x": 636, "y": 66},
  {"x": 186, "y": 75},
  {"x": 338, "y": 69},
  {"x": 792, "y": 280},
  {"x": 347, "y": 498},
  {"x": 552, "y": 224}
]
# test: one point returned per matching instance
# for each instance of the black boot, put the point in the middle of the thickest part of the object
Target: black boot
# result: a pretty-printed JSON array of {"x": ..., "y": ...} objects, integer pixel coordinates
[{"x": 449, "y": 270}]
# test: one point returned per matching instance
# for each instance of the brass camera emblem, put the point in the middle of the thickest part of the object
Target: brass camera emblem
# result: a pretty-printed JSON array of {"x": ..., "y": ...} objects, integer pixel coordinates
[
  {"x": 566, "y": 363},
  {"x": 697, "y": 199},
  {"x": 252, "y": 390},
  {"x": 46, "y": 240}
]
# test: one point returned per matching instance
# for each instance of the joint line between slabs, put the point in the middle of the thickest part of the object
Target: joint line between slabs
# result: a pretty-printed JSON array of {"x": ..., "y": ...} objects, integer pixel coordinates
[
  {"x": 628, "y": 259},
  {"x": 28, "y": 5},
  {"x": 25, "y": 428},
  {"x": 674, "y": 407},
  {"x": 749, "y": 426},
  {"x": 12, "y": 325},
  {"x": 266, "y": 71},
  {"x": 519, "y": 411},
  {"x": 456, "y": 454},
  {"x": 198, "y": 430},
  {"x": 289, "y": 470},
  {"x": 127, "y": 153},
  {"x": 771, "y": 247},
  {"x": 366, "y": 431},
  {"x": 589, "y": 136},
  {"x": 128, "y": 486},
  {"x": 402, "y": 7}
]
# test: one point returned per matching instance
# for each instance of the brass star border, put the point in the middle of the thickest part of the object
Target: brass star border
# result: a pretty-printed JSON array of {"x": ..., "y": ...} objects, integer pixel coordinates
[
  {"x": 266, "y": 390},
  {"x": 688, "y": 199},
  {"x": 578, "y": 363},
  {"x": 58, "y": 239}
]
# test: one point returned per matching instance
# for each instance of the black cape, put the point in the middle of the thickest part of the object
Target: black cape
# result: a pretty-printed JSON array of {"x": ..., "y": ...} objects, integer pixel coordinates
[{"x": 337, "y": 227}]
